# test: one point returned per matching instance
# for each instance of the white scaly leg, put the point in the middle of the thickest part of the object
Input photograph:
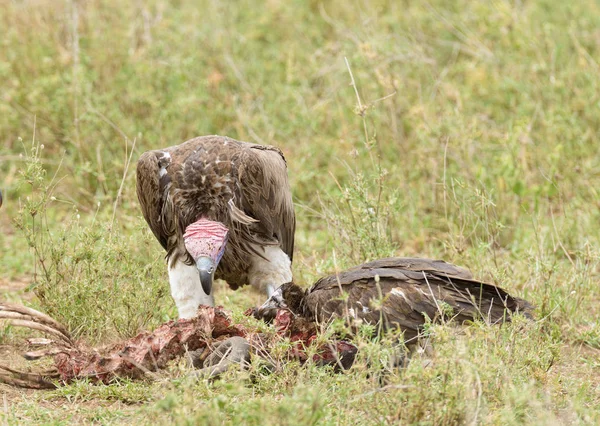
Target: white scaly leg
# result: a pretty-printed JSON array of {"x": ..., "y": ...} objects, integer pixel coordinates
[
  {"x": 267, "y": 275},
  {"x": 186, "y": 289}
]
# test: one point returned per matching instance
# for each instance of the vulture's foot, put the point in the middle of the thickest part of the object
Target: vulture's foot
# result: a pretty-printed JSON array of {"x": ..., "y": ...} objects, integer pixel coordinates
[{"x": 232, "y": 351}]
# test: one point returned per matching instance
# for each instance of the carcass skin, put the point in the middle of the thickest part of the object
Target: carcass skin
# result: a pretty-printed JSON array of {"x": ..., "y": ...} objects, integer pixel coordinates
[
  {"x": 212, "y": 330},
  {"x": 148, "y": 351}
]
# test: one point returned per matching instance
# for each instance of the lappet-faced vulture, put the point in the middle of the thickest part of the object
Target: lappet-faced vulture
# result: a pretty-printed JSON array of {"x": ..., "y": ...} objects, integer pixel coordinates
[
  {"x": 397, "y": 293},
  {"x": 221, "y": 209}
]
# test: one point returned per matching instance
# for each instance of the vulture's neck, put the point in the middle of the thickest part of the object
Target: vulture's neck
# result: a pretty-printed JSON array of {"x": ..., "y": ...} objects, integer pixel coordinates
[{"x": 186, "y": 289}]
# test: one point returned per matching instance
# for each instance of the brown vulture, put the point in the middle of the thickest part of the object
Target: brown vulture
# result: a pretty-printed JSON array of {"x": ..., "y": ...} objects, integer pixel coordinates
[
  {"x": 221, "y": 209},
  {"x": 397, "y": 293}
]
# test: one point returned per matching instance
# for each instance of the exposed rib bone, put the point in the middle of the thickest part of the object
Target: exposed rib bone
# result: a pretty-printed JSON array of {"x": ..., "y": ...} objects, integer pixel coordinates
[
  {"x": 13, "y": 319},
  {"x": 33, "y": 355},
  {"x": 29, "y": 380},
  {"x": 40, "y": 341},
  {"x": 36, "y": 316}
]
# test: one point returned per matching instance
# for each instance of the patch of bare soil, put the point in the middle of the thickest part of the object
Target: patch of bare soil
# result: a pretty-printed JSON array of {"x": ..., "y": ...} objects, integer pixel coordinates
[
  {"x": 11, "y": 353},
  {"x": 6, "y": 225},
  {"x": 15, "y": 288}
]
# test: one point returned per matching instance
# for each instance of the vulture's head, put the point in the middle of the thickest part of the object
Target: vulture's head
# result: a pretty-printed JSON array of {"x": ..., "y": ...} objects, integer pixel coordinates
[
  {"x": 205, "y": 241},
  {"x": 288, "y": 296}
]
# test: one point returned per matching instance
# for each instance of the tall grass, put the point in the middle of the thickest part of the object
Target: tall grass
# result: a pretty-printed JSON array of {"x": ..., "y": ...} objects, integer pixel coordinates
[{"x": 461, "y": 130}]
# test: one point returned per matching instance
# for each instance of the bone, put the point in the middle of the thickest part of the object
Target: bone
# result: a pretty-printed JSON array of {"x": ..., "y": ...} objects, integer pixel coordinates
[
  {"x": 27, "y": 380},
  {"x": 36, "y": 316},
  {"x": 17, "y": 322}
]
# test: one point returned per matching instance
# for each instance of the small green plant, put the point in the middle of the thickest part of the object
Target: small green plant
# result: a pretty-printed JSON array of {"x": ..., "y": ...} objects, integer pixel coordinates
[
  {"x": 94, "y": 280},
  {"x": 360, "y": 212}
]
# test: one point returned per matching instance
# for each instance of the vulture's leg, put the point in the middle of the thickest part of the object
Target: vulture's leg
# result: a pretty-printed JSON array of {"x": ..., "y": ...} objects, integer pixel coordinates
[
  {"x": 268, "y": 273},
  {"x": 232, "y": 351},
  {"x": 186, "y": 289}
]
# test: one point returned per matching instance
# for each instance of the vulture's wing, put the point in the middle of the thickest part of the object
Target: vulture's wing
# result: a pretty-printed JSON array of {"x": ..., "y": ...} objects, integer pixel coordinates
[
  {"x": 398, "y": 297},
  {"x": 152, "y": 192},
  {"x": 438, "y": 267},
  {"x": 265, "y": 195}
]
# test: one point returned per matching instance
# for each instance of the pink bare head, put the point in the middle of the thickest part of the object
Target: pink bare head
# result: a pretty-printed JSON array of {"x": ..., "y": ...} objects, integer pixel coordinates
[{"x": 205, "y": 241}]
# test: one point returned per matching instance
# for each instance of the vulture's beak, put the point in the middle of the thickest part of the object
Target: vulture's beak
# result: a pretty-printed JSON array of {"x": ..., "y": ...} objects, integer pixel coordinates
[
  {"x": 269, "y": 304},
  {"x": 206, "y": 267}
]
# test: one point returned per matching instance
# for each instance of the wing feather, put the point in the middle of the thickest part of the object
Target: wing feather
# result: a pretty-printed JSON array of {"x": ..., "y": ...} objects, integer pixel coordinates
[
  {"x": 404, "y": 291},
  {"x": 266, "y": 196},
  {"x": 150, "y": 196}
]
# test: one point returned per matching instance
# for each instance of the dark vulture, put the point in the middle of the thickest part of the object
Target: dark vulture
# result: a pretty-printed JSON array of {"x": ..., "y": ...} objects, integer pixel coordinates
[
  {"x": 397, "y": 293},
  {"x": 221, "y": 209}
]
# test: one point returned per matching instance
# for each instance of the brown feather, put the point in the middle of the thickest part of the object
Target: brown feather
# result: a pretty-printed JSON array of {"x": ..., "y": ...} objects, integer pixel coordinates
[
  {"x": 240, "y": 184},
  {"x": 403, "y": 292}
]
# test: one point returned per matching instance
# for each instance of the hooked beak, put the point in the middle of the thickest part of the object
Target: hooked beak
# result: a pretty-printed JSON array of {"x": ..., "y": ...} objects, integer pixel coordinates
[
  {"x": 270, "y": 304},
  {"x": 206, "y": 267}
]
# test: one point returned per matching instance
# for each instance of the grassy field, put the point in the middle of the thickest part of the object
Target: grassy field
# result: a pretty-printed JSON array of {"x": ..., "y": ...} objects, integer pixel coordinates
[{"x": 471, "y": 134}]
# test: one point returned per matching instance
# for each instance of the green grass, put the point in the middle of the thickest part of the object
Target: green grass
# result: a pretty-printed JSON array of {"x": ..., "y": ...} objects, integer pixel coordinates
[{"x": 475, "y": 140}]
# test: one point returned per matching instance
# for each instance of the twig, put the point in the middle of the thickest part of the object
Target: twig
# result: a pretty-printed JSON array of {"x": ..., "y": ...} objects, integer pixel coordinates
[
  {"x": 433, "y": 296},
  {"x": 112, "y": 222},
  {"x": 382, "y": 389},
  {"x": 353, "y": 84},
  {"x": 361, "y": 109}
]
